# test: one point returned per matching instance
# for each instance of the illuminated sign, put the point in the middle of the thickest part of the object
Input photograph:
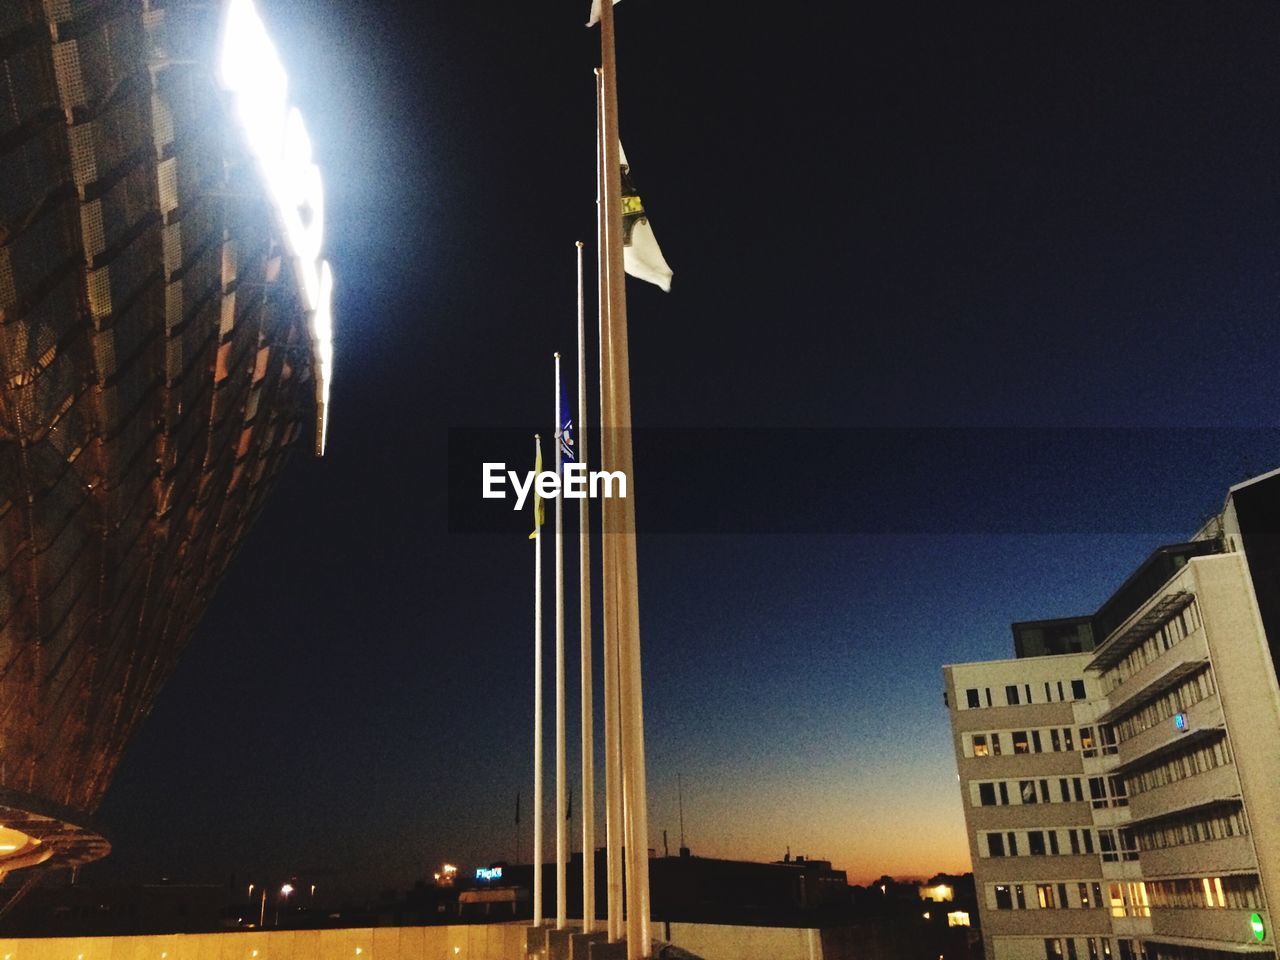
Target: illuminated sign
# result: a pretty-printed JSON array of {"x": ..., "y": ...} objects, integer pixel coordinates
[
  {"x": 1255, "y": 924},
  {"x": 250, "y": 70},
  {"x": 1180, "y": 722},
  {"x": 488, "y": 873}
]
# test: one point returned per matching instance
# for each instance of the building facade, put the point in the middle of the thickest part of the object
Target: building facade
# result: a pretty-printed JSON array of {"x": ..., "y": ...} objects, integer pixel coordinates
[
  {"x": 158, "y": 363},
  {"x": 1122, "y": 789}
]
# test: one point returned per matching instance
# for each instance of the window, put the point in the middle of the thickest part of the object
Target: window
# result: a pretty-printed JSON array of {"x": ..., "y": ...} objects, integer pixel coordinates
[
  {"x": 1052, "y": 948},
  {"x": 995, "y": 845},
  {"x": 1035, "y": 741},
  {"x": 1027, "y": 687},
  {"x": 1077, "y": 689},
  {"x": 1011, "y": 694},
  {"x": 988, "y": 691},
  {"x": 1107, "y": 846},
  {"x": 1054, "y": 740},
  {"x": 1044, "y": 894},
  {"x": 1027, "y": 790},
  {"x": 1003, "y": 899},
  {"x": 1044, "y": 792},
  {"x": 979, "y": 744},
  {"x": 1119, "y": 796},
  {"x": 1098, "y": 791},
  {"x": 1108, "y": 737},
  {"x": 971, "y": 695},
  {"x": 987, "y": 794},
  {"x": 1087, "y": 837},
  {"x": 1093, "y": 948},
  {"x": 1074, "y": 837},
  {"x": 1048, "y": 697},
  {"x": 1064, "y": 788},
  {"x": 1061, "y": 695},
  {"x": 1035, "y": 842},
  {"x": 1087, "y": 746},
  {"x": 1075, "y": 783},
  {"x": 995, "y": 744},
  {"x": 1071, "y": 949},
  {"x": 1053, "y": 849},
  {"x": 1083, "y": 890},
  {"x": 1004, "y": 793},
  {"x": 1020, "y": 742},
  {"x": 1066, "y": 738},
  {"x": 1013, "y": 852},
  {"x": 1021, "y": 896}
]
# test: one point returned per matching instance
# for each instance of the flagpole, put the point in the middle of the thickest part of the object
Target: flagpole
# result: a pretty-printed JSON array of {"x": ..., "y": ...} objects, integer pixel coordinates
[
  {"x": 612, "y": 748},
  {"x": 537, "y": 704},
  {"x": 584, "y": 630},
  {"x": 562, "y": 833},
  {"x": 628, "y": 615}
]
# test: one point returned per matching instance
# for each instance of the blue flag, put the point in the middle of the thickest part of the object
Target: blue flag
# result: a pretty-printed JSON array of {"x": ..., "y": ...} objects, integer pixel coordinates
[{"x": 564, "y": 432}]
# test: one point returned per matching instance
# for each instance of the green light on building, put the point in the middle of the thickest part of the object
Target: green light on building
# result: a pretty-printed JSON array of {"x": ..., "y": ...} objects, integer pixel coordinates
[{"x": 1255, "y": 924}]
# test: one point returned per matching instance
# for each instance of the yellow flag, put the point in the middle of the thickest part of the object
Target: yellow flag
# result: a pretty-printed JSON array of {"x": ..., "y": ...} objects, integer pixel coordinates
[{"x": 539, "y": 512}]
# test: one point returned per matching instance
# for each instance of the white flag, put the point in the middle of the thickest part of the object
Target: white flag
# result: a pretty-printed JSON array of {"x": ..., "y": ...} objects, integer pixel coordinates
[
  {"x": 640, "y": 254},
  {"x": 595, "y": 12}
]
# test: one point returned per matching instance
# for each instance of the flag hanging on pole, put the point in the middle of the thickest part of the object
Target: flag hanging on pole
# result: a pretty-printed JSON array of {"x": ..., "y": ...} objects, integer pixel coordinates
[
  {"x": 640, "y": 254},
  {"x": 539, "y": 512},
  {"x": 595, "y": 12},
  {"x": 564, "y": 432}
]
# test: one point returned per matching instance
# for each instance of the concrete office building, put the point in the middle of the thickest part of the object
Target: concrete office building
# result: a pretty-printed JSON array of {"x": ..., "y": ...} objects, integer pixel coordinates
[{"x": 1121, "y": 775}]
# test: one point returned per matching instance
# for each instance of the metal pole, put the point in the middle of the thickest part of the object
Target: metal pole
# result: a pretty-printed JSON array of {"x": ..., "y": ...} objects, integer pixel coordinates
[{"x": 584, "y": 630}]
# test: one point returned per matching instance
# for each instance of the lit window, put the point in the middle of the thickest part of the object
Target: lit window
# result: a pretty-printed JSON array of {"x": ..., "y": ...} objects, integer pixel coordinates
[{"x": 979, "y": 745}]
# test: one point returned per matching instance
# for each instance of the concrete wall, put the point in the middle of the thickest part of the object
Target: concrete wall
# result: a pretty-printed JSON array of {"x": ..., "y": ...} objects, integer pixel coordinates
[{"x": 493, "y": 941}]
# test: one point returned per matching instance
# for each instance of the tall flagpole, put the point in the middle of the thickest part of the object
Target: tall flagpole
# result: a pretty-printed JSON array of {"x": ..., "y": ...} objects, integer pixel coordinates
[
  {"x": 612, "y": 748},
  {"x": 584, "y": 631},
  {"x": 562, "y": 831},
  {"x": 537, "y": 704},
  {"x": 628, "y": 612}
]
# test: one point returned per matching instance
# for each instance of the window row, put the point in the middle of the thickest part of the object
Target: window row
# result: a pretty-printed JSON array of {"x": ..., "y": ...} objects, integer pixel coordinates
[
  {"x": 1197, "y": 761},
  {"x": 1044, "y": 740},
  {"x": 1102, "y": 791},
  {"x": 1106, "y": 741},
  {"x": 1113, "y": 846},
  {"x": 1192, "y": 828},
  {"x": 1233, "y": 893},
  {"x": 1092, "y": 948},
  {"x": 1055, "y": 691},
  {"x": 1072, "y": 895},
  {"x": 1182, "y": 697},
  {"x": 1183, "y": 623}
]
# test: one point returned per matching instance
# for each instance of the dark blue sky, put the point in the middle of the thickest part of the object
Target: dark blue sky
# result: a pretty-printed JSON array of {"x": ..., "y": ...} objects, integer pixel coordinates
[{"x": 950, "y": 217}]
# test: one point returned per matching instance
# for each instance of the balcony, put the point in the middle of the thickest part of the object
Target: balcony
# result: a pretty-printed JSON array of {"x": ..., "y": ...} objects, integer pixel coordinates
[
  {"x": 1220, "y": 929},
  {"x": 1163, "y": 739},
  {"x": 1210, "y": 858},
  {"x": 1159, "y": 676},
  {"x": 1220, "y": 783}
]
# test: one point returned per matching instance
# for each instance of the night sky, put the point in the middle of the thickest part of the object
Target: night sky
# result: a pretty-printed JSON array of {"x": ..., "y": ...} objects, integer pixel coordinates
[{"x": 974, "y": 305}]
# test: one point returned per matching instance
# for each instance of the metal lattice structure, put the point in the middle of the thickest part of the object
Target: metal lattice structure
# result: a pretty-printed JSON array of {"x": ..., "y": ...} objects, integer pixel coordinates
[{"x": 155, "y": 370}]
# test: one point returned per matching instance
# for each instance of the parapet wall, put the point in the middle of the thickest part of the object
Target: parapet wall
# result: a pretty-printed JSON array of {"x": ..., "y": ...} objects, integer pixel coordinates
[{"x": 493, "y": 941}]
